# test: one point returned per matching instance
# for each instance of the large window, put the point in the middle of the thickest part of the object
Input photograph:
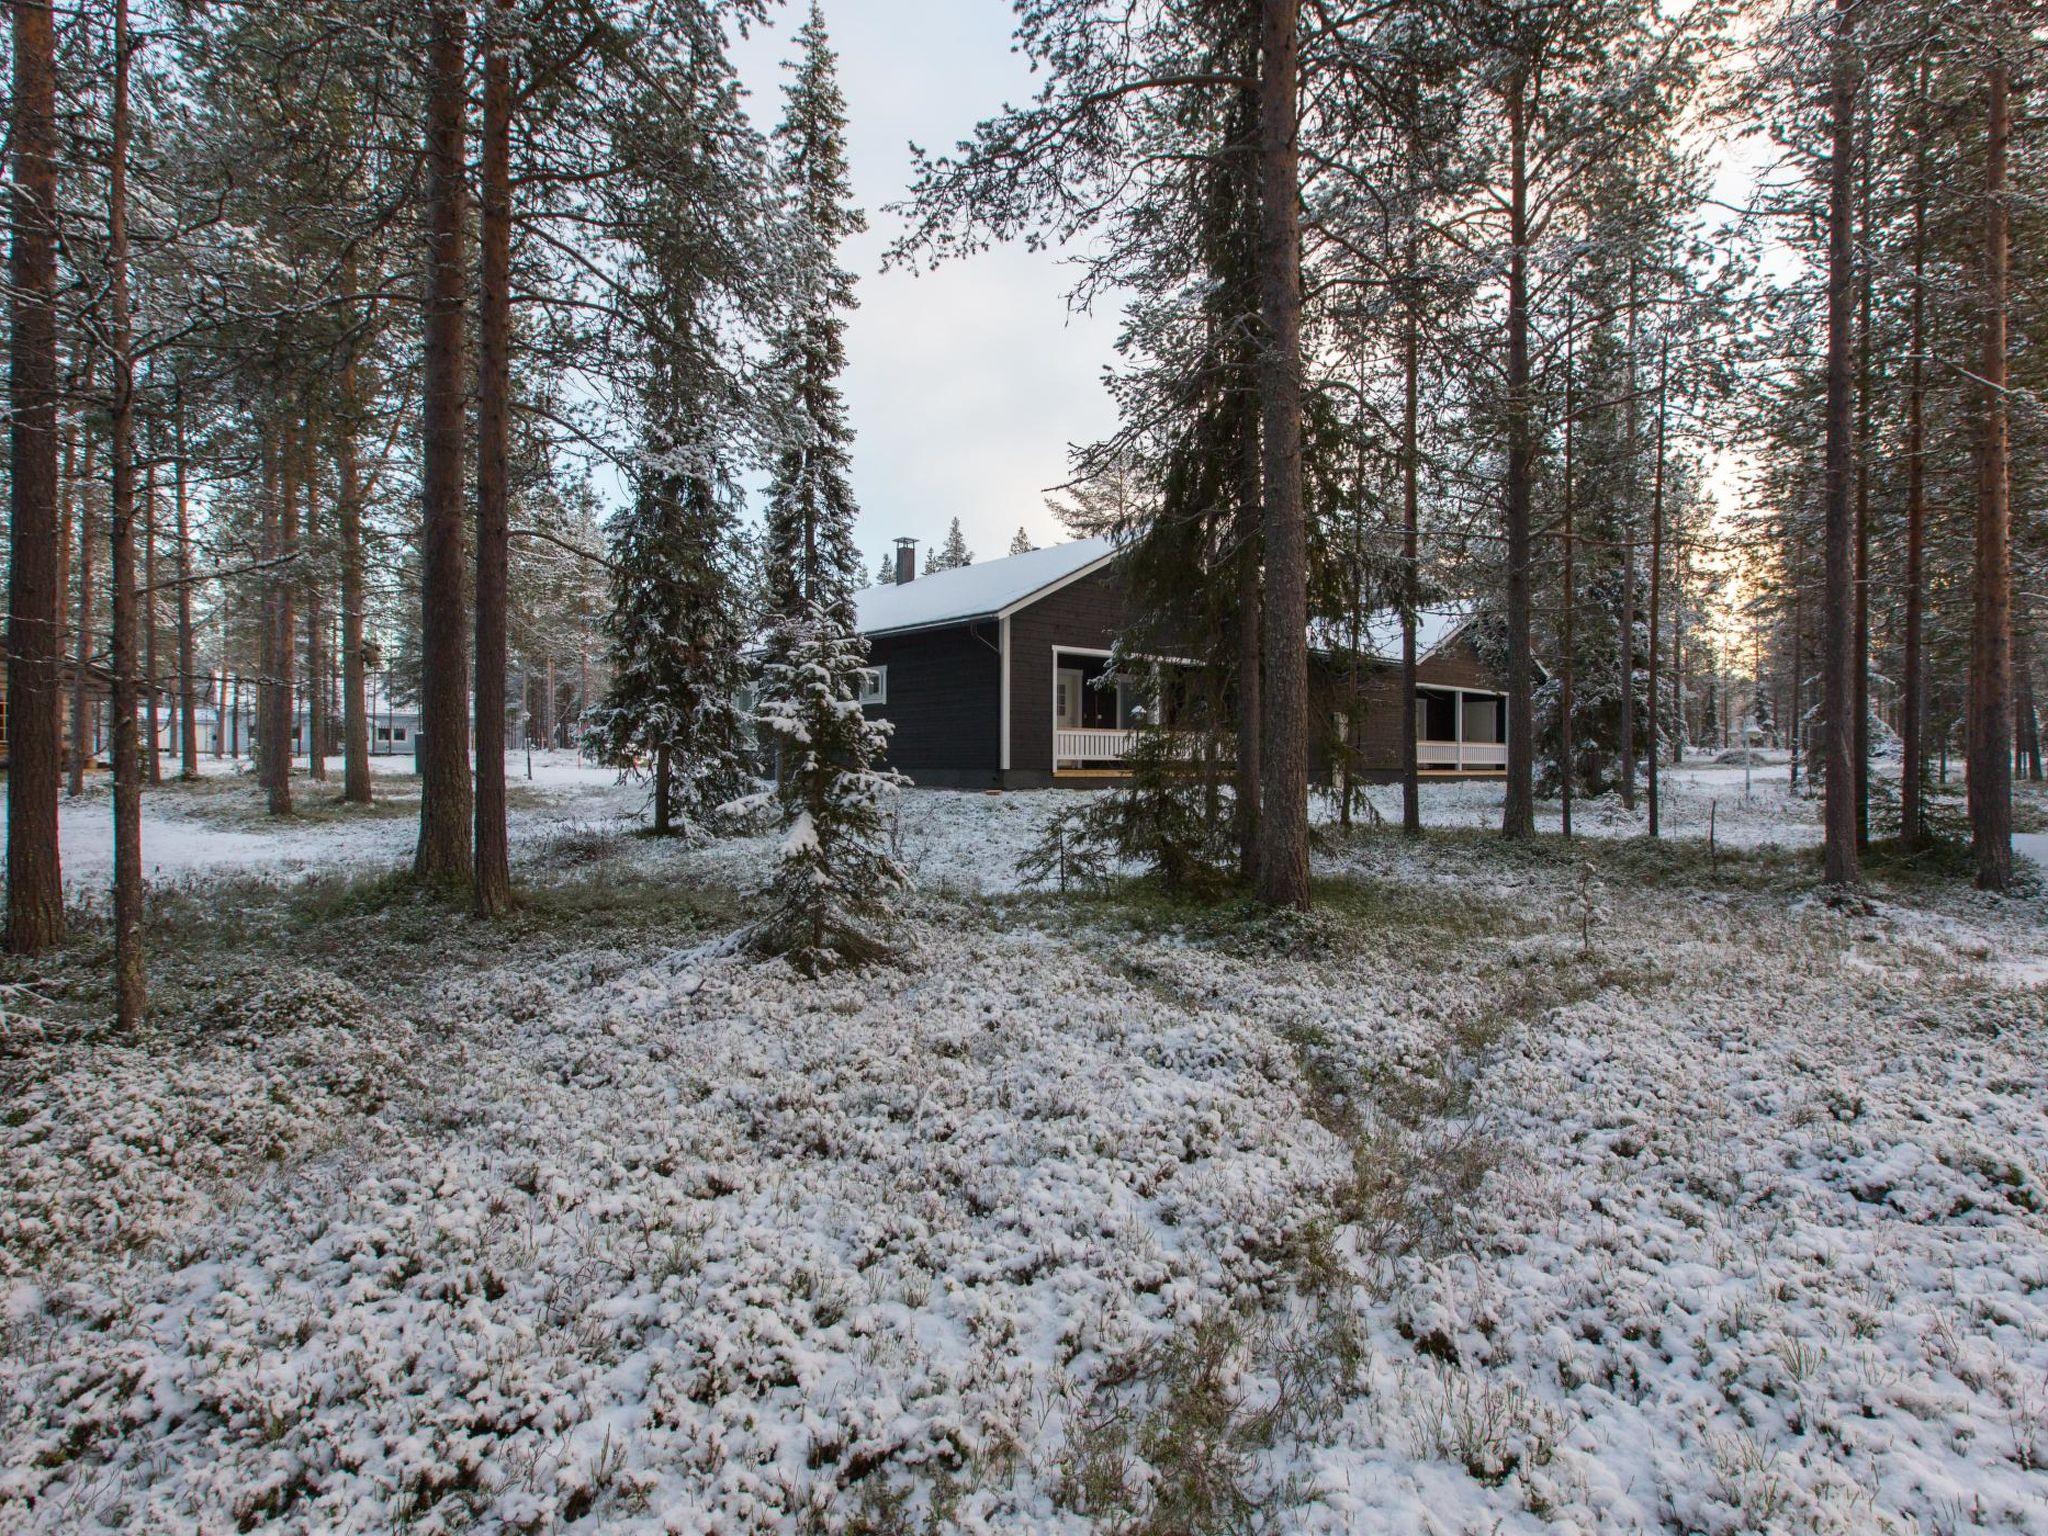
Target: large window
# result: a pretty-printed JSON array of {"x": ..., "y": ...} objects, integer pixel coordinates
[{"x": 874, "y": 685}]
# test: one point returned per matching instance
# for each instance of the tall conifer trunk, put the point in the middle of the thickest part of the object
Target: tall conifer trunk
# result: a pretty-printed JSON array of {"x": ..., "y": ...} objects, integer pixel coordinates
[
  {"x": 1249, "y": 642},
  {"x": 152, "y": 682},
  {"x": 1913, "y": 704},
  {"x": 35, "y": 891},
  {"x": 316, "y": 627},
  {"x": 443, "y": 853},
  {"x": 355, "y": 715},
  {"x": 1839, "y": 607},
  {"x": 493, "y": 882},
  {"x": 1411, "y": 576},
  {"x": 1567, "y": 768},
  {"x": 1518, "y": 813},
  {"x": 1653, "y": 759},
  {"x": 130, "y": 986},
  {"x": 1283, "y": 762},
  {"x": 280, "y": 712},
  {"x": 188, "y": 682},
  {"x": 82, "y": 731},
  {"x": 1991, "y": 631}
]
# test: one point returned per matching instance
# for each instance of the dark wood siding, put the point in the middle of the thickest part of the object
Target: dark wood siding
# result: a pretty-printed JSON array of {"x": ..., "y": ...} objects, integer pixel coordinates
[
  {"x": 1086, "y": 614},
  {"x": 1457, "y": 665},
  {"x": 944, "y": 687}
]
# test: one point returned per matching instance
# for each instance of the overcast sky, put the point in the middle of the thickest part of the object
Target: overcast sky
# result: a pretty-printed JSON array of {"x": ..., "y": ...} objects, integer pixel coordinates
[{"x": 967, "y": 384}]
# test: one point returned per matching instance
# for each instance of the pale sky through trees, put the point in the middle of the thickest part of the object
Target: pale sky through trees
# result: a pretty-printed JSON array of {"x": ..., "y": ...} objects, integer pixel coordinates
[{"x": 966, "y": 384}]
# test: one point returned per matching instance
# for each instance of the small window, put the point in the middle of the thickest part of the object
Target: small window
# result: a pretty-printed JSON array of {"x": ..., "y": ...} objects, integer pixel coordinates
[
  {"x": 398, "y": 734},
  {"x": 383, "y": 733},
  {"x": 874, "y": 685}
]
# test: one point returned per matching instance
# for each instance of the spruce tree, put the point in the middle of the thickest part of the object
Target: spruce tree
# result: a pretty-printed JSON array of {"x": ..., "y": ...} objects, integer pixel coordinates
[
  {"x": 678, "y": 626},
  {"x": 953, "y": 555},
  {"x": 675, "y": 642},
  {"x": 835, "y": 875},
  {"x": 1021, "y": 544},
  {"x": 885, "y": 573}
]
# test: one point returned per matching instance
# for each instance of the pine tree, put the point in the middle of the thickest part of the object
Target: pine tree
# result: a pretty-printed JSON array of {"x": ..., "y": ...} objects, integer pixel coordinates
[
  {"x": 885, "y": 573},
  {"x": 834, "y": 876},
  {"x": 953, "y": 555},
  {"x": 1021, "y": 544}
]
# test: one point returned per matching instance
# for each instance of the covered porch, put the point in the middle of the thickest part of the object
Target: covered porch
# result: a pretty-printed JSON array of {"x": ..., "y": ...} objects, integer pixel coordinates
[
  {"x": 1461, "y": 730},
  {"x": 1096, "y": 713}
]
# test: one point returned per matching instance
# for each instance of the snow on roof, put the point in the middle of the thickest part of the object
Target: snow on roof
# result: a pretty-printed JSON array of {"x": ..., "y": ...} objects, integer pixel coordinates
[
  {"x": 1434, "y": 629},
  {"x": 974, "y": 591}
]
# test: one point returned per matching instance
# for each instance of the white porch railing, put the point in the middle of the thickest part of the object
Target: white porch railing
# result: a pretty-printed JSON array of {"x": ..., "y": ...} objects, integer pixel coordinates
[
  {"x": 1462, "y": 756},
  {"x": 1070, "y": 748}
]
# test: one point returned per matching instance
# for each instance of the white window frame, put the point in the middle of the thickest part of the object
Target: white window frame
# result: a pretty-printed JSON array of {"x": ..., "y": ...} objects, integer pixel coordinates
[{"x": 874, "y": 685}]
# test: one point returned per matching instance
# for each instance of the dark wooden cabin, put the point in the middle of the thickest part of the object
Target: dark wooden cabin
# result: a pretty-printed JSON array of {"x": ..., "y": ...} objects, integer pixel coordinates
[{"x": 997, "y": 676}]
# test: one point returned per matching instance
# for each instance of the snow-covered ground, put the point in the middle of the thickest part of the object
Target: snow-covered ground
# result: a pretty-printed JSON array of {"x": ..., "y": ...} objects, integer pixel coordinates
[{"x": 1723, "y": 1210}]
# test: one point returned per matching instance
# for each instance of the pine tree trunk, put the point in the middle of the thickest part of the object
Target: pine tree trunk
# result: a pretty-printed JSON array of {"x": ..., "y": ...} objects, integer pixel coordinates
[
  {"x": 1913, "y": 704},
  {"x": 443, "y": 853},
  {"x": 188, "y": 682},
  {"x": 1567, "y": 623},
  {"x": 35, "y": 889},
  {"x": 1860, "y": 661},
  {"x": 2026, "y": 725},
  {"x": 493, "y": 885},
  {"x": 663, "y": 813},
  {"x": 88, "y": 542},
  {"x": 1625, "y": 631},
  {"x": 1249, "y": 716},
  {"x": 1283, "y": 759},
  {"x": 355, "y": 714},
  {"x": 316, "y": 629},
  {"x": 1411, "y": 575},
  {"x": 281, "y": 713},
  {"x": 1653, "y": 760},
  {"x": 1518, "y": 813},
  {"x": 1991, "y": 632},
  {"x": 1839, "y": 609},
  {"x": 130, "y": 983},
  {"x": 152, "y": 689}
]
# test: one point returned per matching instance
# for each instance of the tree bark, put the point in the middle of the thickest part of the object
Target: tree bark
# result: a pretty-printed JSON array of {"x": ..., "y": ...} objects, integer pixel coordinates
[
  {"x": 1625, "y": 630},
  {"x": 130, "y": 982},
  {"x": 1839, "y": 608},
  {"x": 1518, "y": 813},
  {"x": 152, "y": 756},
  {"x": 1860, "y": 662},
  {"x": 35, "y": 888},
  {"x": 443, "y": 853},
  {"x": 1566, "y": 768},
  {"x": 1653, "y": 759},
  {"x": 493, "y": 880},
  {"x": 355, "y": 738},
  {"x": 88, "y": 542},
  {"x": 1991, "y": 630},
  {"x": 1249, "y": 713},
  {"x": 1411, "y": 576},
  {"x": 1913, "y": 706},
  {"x": 1283, "y": 761},
  {"x": 316, "y": 625},
  {"x": 188, "y": 682},
  {"x": 280, "y": 713}
]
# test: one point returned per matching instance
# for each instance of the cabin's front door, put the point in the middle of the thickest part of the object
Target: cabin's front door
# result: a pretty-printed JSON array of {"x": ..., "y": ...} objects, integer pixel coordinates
[{"x": 1066, "y": 699}]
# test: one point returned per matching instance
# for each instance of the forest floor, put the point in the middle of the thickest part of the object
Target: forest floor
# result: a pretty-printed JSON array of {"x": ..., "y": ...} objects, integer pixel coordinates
[{"x": 1624, "y": 1187}]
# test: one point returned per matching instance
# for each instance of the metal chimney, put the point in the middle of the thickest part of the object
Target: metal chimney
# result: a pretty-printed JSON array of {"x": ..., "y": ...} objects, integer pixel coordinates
[{"x": 906, "y": 560}]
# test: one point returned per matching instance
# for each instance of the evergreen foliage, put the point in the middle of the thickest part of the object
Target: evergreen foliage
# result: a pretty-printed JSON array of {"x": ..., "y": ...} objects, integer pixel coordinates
[{"x": 834, "y": 875}]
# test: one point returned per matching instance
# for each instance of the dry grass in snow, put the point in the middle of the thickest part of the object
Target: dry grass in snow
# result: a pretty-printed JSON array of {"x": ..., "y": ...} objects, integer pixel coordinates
[{"x": 1432, "y": 1213}]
